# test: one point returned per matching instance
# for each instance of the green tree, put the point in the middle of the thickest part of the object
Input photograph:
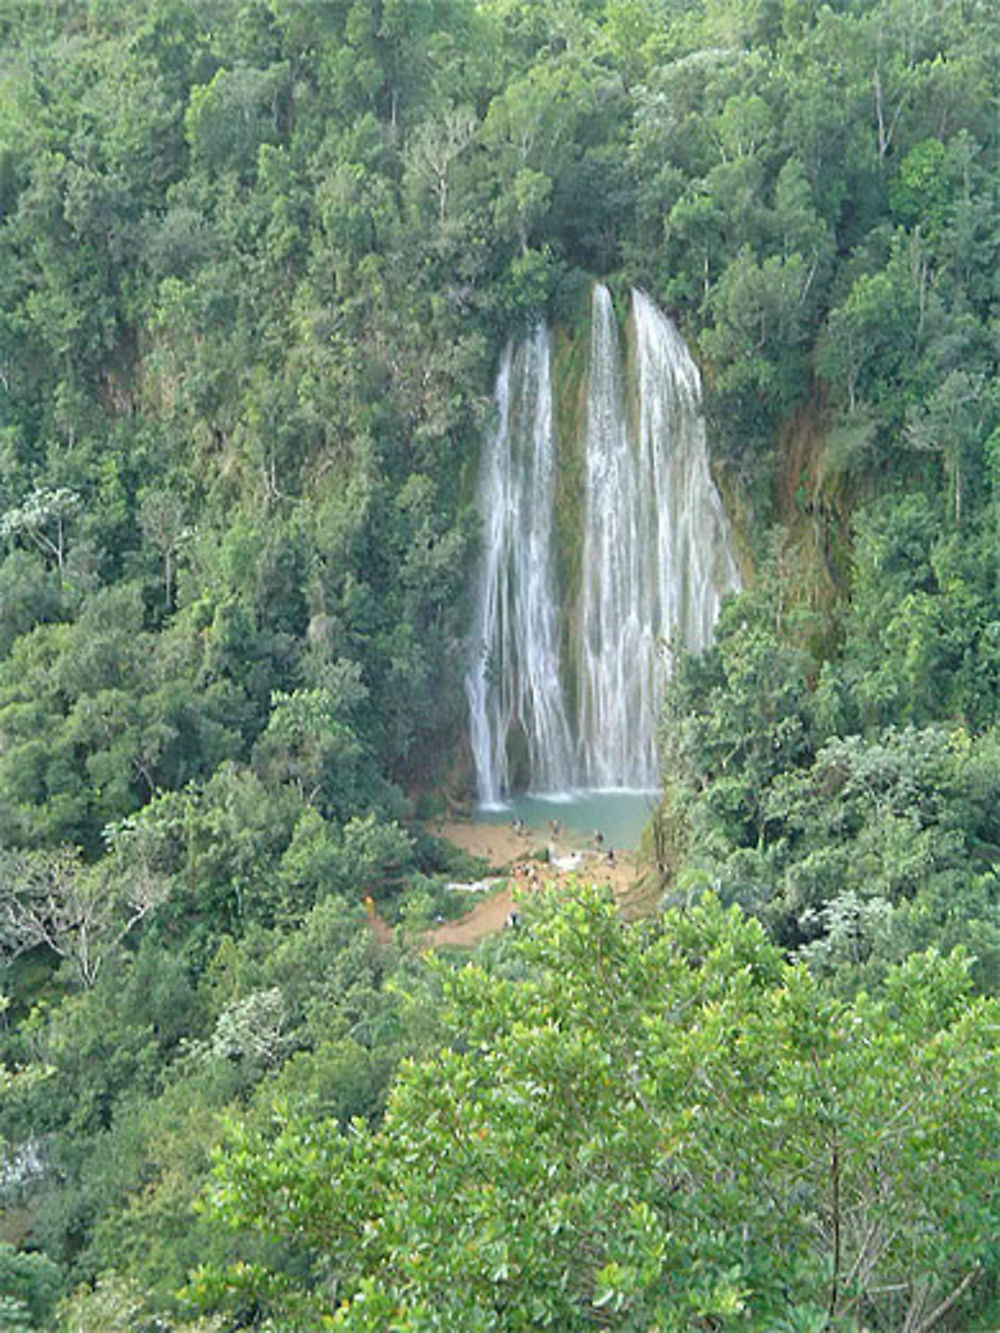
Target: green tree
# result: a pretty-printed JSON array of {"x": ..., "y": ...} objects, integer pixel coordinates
[
  {"x": 737, "y": 716},
  {"x": 161, "y": 514},
  {"x": 229, "y": 119},
  {"x": 116, "y": 1305},
  {"x": 953, "y": 423},
  {"x": 29, "y": 1289},
  {"x": 648, "y": 1127}
]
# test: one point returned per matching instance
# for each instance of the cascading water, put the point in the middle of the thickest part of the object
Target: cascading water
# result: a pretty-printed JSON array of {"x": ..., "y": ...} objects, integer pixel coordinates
[
  {"x": 655, "y": 562},
  {"x": 515, "y": 687},
  {"x": 616, "y": 644},
  {"x": 689, "y": 527}
]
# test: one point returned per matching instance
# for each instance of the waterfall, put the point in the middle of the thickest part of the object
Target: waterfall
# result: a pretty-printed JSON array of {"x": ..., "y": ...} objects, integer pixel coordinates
[
  {"x": 514, "y": 686},
  {"x": 564, "y": 684},
  {"x": 618, "y": 646},
  {"x": 696, "y": 564}
]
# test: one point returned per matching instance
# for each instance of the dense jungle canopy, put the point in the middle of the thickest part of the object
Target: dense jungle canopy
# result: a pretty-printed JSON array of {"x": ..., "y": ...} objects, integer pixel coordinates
[{"x": 258, "y": 260}]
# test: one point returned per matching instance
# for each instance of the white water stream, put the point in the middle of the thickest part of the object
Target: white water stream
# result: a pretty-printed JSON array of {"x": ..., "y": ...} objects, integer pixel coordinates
[
  {"x": 514, "y": 682},
  {"x": 556, "y": 703}
]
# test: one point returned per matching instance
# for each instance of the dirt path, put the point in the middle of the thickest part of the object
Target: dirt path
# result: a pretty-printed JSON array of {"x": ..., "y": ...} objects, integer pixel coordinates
[{"x": 485, "y": 918}]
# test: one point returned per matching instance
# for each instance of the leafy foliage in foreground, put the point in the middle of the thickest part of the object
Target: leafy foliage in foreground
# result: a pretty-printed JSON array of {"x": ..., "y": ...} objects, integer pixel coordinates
[{"x": 663, "y": 1127}]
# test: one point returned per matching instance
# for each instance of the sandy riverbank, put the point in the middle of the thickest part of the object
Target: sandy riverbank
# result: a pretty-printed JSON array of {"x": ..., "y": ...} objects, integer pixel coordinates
[
  {"x": 502, "y": 847},
  {"x": 508, "y": 851}
]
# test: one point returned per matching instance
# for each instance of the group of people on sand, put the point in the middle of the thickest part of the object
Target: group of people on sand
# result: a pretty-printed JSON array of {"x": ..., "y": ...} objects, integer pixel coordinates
[
  {"x": 531, "y": 872},
  {"x": 527, "y": 874}
]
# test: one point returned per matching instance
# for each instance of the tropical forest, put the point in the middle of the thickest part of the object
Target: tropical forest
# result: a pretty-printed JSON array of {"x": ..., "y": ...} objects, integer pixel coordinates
[{"x": 427, "y": 426}]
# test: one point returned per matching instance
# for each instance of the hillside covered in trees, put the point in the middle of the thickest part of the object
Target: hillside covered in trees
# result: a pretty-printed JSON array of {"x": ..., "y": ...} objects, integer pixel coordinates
[{"x": 258, "y": 263}]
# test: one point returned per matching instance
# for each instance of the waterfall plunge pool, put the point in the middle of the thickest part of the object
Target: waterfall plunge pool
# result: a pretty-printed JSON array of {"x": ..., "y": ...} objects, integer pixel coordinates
[{"x": 620, "y": 815}]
